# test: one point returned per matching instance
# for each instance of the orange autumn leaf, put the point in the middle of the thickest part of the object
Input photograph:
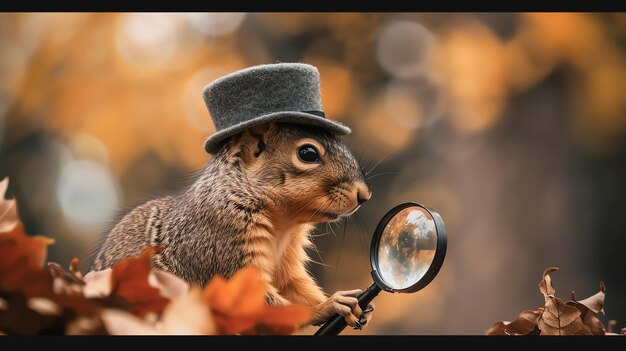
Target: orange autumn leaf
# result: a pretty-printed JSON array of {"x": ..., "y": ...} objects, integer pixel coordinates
[
  {"x": 129, "y": 280},
  {"x": 31, "y": 249},
  {"x": 238, "y": 306},
  {"x": 24, "y": 279},
  {"x": 21, "y": 260},
  {"x": 21, "y": 256}
]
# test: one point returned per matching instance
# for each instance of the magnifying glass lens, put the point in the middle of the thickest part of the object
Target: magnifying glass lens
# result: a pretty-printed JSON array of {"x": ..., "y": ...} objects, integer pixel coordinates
[{"x": 407, "y": 247}]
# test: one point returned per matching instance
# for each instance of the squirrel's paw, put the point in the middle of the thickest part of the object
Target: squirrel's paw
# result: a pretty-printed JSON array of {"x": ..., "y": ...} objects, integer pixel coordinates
[{"x": 345, "y": 304}]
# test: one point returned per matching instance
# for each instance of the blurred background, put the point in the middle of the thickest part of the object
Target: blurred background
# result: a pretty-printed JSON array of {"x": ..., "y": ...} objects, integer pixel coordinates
[{"x": 511, "y": 126}]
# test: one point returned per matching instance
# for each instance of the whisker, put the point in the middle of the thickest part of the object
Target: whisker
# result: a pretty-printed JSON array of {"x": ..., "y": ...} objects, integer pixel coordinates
[
  {"x": 358, "y": 230},
  {"x": 320, "y": 263},
  {"x": 404, "y": 174},
  {"x": 379, "y": 162},
  {"x": 360, "y": 157},
  {"x": 330, "y": 230},
  {"x": 319, "y": 235}
]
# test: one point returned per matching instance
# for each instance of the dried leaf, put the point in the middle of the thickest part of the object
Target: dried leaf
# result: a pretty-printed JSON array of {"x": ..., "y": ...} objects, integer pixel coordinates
[
  {"x": 119, "y": 322},
  {"x": 595, "y": 302},
  {"x": 524, "y": 324},
  {"x": 32, "y": 289},
  {"x": 21, "y": 258},
  {"x": 129, "y": 280},
  {"x": 8, "y": 209},
  {"x": 64, "y": 282},
  {"x": 561, "y": 319},
  {"x": 238, "y": 306},
  {"x": 545, "y": 286},
  {"x": 97, "y": 284},
  {"x": 589, "y": 308},
  {"x": 169, "y": 285},
  {"x": 187, "y": 315},
  {"x": 30, "y": 250}
]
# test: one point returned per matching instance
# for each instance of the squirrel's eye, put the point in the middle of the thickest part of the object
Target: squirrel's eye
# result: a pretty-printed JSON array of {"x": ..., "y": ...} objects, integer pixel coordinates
[{"x": 308, "y": 153}]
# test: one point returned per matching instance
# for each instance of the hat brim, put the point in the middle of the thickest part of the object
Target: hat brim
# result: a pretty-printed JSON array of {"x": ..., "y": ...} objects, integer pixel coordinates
[{"x": 295, "y": 117}]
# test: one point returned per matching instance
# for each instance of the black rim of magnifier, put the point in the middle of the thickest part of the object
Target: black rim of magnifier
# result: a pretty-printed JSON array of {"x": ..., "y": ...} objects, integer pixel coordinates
[{"x": 440, "y": 251}]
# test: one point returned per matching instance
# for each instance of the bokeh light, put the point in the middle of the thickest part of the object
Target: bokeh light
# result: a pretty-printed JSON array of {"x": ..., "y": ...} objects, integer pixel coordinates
[
  {"x": 87, "y": 194},
  {"x": 147, "y": 39},
  {"x": 403, "y": 47},
  {"x": 215, "y": 24}
]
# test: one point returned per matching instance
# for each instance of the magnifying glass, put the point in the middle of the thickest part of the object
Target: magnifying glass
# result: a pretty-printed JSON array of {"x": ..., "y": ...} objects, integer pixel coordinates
[{"x": 407, "y": 251}]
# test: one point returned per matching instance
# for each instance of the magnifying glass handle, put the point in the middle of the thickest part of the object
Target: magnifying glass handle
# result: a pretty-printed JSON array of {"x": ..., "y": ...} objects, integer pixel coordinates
[{"x": 337, "y": 323}]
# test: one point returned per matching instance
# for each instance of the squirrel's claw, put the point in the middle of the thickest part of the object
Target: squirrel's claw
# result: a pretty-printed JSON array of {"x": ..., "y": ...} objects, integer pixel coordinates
[{"x": 366, "y": 316}]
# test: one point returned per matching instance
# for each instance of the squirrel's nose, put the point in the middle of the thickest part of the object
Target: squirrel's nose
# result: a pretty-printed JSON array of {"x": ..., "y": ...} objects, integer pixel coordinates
[{"x": 363, "y": 193}]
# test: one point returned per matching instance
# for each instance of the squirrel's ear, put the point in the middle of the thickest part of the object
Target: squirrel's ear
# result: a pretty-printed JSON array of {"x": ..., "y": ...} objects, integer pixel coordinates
[
  {"x": 262, "y": 133},
  {"x": 254, "y": 141}
]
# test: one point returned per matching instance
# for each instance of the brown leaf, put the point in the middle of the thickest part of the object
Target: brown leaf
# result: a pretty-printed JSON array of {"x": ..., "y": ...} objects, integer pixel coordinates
[
  {"x": 561, "y": 319},
  {"x": 97, "y": 284},
  {"x": 524, "y": 324},
  {"x": 545, "y": 286},
  {"x": 118, "y": 322},
  {"x": 169, "y": 285},
  {"x": 589, "y": 309},
  {"x": 8, "y": 209},
  {"x": 21, "y": 258},
  {"x": 129, "y": 280},
  {"x": 64, "y": 282},
  {"x": 238, "y": 306},
  {"x": 32, "y": 250},
  {"x": 595, "y": 302},
  {"x": 187, "y": 315}
]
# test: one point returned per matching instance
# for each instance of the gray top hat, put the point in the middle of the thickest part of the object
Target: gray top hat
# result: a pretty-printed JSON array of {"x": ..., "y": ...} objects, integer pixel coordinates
[{"x": 280, "y": 92}]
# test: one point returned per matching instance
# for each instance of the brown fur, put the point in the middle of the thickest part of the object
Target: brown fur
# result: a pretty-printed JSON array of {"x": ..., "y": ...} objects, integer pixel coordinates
[{"x": 254, "y": 204}]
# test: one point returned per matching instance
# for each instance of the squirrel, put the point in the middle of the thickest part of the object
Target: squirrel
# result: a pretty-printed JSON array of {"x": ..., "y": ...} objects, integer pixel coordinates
[{"x": 254, "y": 203}]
